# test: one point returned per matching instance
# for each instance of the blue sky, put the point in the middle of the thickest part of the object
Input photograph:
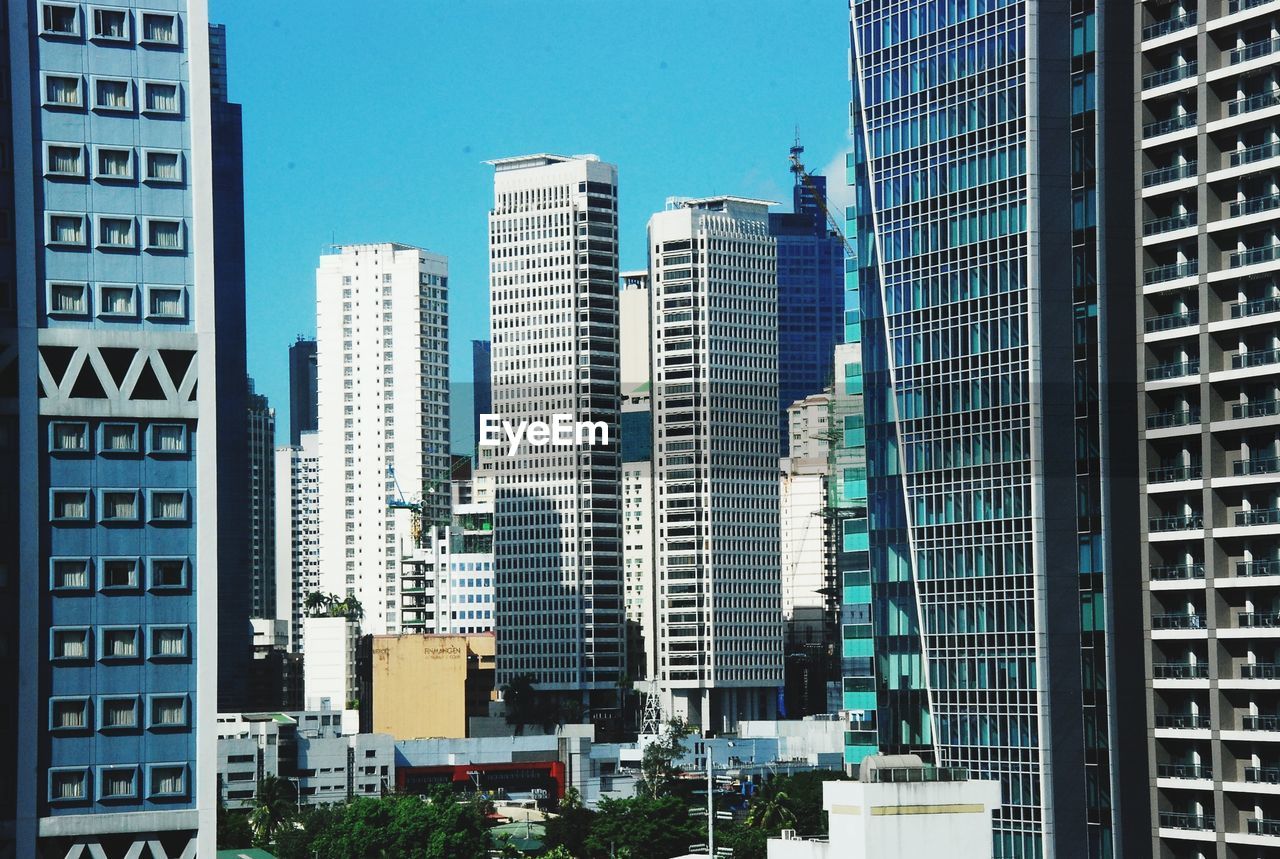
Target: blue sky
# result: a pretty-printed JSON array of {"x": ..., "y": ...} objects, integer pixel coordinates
[{"x": 370, "y": 122}]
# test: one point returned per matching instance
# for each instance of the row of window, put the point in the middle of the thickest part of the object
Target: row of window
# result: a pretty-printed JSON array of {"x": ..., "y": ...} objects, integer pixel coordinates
[
  {"x": 115, "y": 300},
  {"x": 117, "y": 505},
  {"x": 75, "y": 574},
  {"x": 116, "y": 713},
  {"x": 62, "y": 21},
  {"x": 111, "y": 95},
  {"x": 115, "y": 232},
  {"x": 70, "y": 785},
  {"x": 115, "y": 437},
  {"x": 112, "y": 163},
  {"x": 118, "y": 643}
]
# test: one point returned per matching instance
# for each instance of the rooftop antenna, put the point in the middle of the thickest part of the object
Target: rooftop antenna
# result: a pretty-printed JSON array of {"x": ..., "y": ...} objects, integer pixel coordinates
[{"x": 797, "y": 168}]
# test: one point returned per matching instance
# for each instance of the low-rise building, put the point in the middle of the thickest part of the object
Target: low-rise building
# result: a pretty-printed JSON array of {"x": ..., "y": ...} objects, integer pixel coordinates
[
  {"x": 329, "y": 662},
  {"x": 426, "y": 685}
]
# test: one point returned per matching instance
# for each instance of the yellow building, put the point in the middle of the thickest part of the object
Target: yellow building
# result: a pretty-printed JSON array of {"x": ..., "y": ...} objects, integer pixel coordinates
[{"x": 428, "y": 685}]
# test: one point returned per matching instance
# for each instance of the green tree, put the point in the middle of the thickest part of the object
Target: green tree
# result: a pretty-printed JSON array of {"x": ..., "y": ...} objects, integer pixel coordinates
[
  {"x": 274, "y": 805},
  {"x": 317, "y": 603},
  {"x": 520, "y": 699},
  {"x": 408, "y": 827},
  {"x": 233, "y": 829},
  {"x": 644, "y": 828},
  {"x": 657, "y": 765},
  {"x": 772, "y": 812}
]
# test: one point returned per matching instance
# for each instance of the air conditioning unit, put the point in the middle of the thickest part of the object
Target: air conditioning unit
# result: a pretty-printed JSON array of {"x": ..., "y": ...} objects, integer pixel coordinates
[{"x": 788, "y": 835}]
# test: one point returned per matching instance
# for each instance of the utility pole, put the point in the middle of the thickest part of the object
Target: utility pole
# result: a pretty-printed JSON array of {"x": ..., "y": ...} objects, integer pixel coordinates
[{"x": 711, "y": 802}]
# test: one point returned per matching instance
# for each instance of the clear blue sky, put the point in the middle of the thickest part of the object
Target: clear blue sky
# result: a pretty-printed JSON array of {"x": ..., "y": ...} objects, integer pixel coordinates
[{"x": 370, "y": 122}]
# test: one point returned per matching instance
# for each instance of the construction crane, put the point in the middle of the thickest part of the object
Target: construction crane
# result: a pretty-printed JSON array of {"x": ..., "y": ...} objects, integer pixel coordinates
[
  {"x": 802, "y": 175},
  {"x": 419, "y": 507}
]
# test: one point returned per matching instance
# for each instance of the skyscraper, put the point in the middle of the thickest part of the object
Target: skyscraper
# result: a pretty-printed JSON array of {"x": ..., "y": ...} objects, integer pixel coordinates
[
  {"x": 297, "y": 531},
  {"x": 810, "y": 294},
  {"x": 382, "y": 317},
  {"x": 1209, "y": 304},
  {"x": 260, "y": 420},
  {"x": 553, "y": 263},
  {"x": 481, "y": 386},
  {"x": 118, "y": 230},
  {"x": 303, "y": 370},
  {"x": 992, "y": 144},
  {"x": 713, "y": 306}
]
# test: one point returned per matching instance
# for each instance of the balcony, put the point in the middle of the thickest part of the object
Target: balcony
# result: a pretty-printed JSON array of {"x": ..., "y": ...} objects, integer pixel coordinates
[
  {"x": 1259, "y": 671},
  {"x": 1255, "y": 409},
  {"x": 1234, "y": 6},
  {"x": 1260, "y": 152},
  {"x": 1175, "y": 820},
  {"x": 1262, "y": 775},
  {"x": 1258, "y": 620},
  {"x": 1182, "y": 721},
  {"x": 1259, "y": 723},
  {"x": 1169, "y": 321},
  {"x": 1169, "y": 126},
  {"x": 1253, "y": 205},
  {"x": 1156, "y": 226},
  {"x": 1258, "y": 516},
  {"x": 1263, "y": 826},
  {"x": 1172, "y": 271},
  {"x": 1173, "y": 370},
  {"x": 1256, "y": 307},
  {"x": 1265, "y": 567},
  {"x": 1170, "y": 473},
  {"x": 1162, "y": 175},
  {"x": 1177, "y": 522},
  {"x": 1180, "y": 671},
  {"x": 1250, "y": 103},
  {"x": 1255, "y": 465},
  {"x": 1169, "y": 25},
  {"x": 1184, "y": 771},
  {"x": 1168, "y": 76},
  {"x": 1177, "y": 620},
  {"x": 1253, "y": 256},
  {"x": 1177, "y": 572},
  {"x": 1253, "y": 51},
  {"x": 1173, "y": 418}
]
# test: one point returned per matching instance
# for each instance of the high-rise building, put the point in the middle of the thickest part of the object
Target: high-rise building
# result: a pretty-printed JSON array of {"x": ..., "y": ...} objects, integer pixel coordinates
[
  {"x": 633, "y": 311},
  {"x": 297, "y": 531},
  {"x": 382, "y": 316},
  {"x": 1209, "y": 329},
  {"x": 553, "y": 262},
  {"x": 481, "y": 386},
  {"x": 637, "y": 530},
  {"x": 810, "y": 294},
  {"x": 713, "y": 306},
  {"x": 992, "y": 151},
  {"x": 118, "y": 224},
  {"x": 261, "y": 427},
  {"x": 303, "y": 385}
]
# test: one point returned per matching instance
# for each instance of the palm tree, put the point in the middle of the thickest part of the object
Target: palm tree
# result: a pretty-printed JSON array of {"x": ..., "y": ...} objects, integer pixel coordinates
[
  {"x": 772, "y": 812},
  {"x": 349, "y": 608},
  {"x": 316, "y": 602},
  {"x": 274, "y": 805}
]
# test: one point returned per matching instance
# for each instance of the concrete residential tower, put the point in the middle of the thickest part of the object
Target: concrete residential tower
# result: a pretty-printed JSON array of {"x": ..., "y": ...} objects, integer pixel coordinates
[
  {"x": 713, "y": 303},
  {"x": 382, "y": 316},
  {"x": 553, "y": 277}
]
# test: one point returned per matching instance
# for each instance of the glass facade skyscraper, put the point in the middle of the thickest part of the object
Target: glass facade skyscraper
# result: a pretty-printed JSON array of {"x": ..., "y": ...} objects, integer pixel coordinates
[{"x": 992, "y": 139}]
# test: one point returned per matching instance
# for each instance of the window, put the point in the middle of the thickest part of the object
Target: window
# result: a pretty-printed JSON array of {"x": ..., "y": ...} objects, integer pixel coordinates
[
  {"x": 66, "y": 230},
  {"x": 166, "y": 302},
  {"x": 119, "y": 505},
  {"x": 118, "y": 714},
  {"x": 167, "y": 781},
  {"x": 62, "y": 91},
  {"x": 120, "y": 438},
  {"x": 168, "y": 573},
  {"x": 70, "y": 504},
  {"x": 117, "y": 300},
  {"x": 68, "y": 714},
  {"x": 112, "y": 94},
  {"x": 168, "y": 711},
  {"x": 69, "y": 574},
  {"x": 115, "y": 232},
  {"x": 164, "y": 235},
  {"x": 163, "y": 166},
  {"x": 60, "y": 19},
  {"x": 68, "y": 785},
  {"x": 168, "y": 505},
  {"x": 159, "y": 28},
  {"x": 69, "y": 299},
  {"x": 160, "y": 97},
  {"x": 114, "y": 164},
  {"x": 111, "y": 25},
  {"x": 168, "y": 642},
  {"x": 63, "y": 159},
  {"x": 168, "y": 438},
  {"x": 69, "y": 437},
  {"x": 119, "y": 574},
  {"x": 117, "y": 783},
  {"x": 69, "y": 643},
  {"x": 119, "y": 642}
]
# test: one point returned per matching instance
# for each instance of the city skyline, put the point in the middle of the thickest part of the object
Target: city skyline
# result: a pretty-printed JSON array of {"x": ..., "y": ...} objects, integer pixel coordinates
[{"x": 353, "y": 190}]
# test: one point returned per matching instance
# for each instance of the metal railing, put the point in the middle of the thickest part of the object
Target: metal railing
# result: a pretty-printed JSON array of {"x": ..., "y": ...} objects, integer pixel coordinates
[
  {"x": 1263, "y": 826},
  {"x": 1169, "y": 25},
  {"x": 1259, "y": 671},
  {"x": 1168, "y": 473},
  {"x": 1253, "y": 51},
  {"x": 1184, "y": 771},
  {"x": 1253, "y": 256},
  {"x": 1173, "y": 370},
  {"x": 1182, "y": 721},
  {"x": 1258, "y": 152},
  {"x": 1170, "y": 125},
  {"x": 1253, "y": 205},
  {"x": 1168, "y": 321},
  {"x": 1259, "y": 723},
  {"x": 1258, "y": 516},
  {"x": 1255, "y": 307},
  {"x": 1250, "y": 103},
  {"x": 1180, "y": 671},
  {"x": 1262, "y": 775},
  {"x": 1172, "y": 271},
  {"x": 1173, "y": 418},
  {"x": 1168, "y": 76},
  {"x": 1258, "y": 358},
  {"x": 1255, "y": 465},
  {"x": 1168, "y": 174},
  {"x": 1265, "y": 567},
  {"x": 1176, "y": 820},
  {"x": 1177, "y": 620},
  {"x": 1177, "y": 572},
  {"x": 1258, "y": 619}
]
